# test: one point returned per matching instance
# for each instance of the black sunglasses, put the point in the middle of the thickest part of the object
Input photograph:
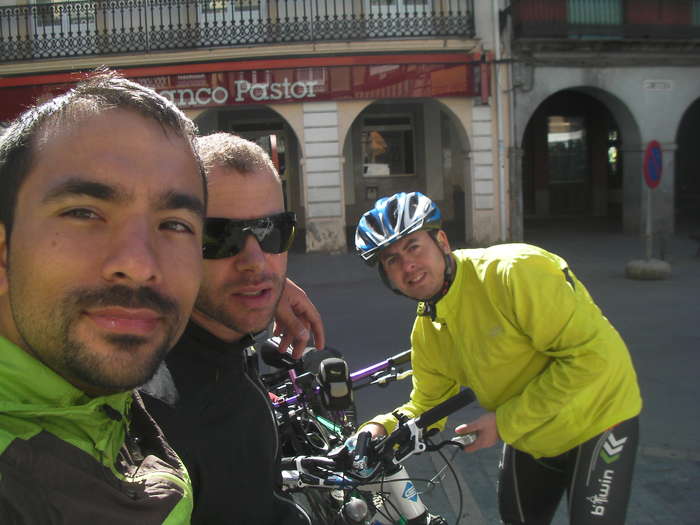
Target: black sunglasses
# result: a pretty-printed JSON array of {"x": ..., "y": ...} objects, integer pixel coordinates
[{"x": 226, "y": 237}]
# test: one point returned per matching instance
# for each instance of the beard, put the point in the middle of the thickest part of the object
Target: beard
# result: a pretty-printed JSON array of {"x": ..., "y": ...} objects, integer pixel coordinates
[
  {"x": 50, "y": 334},
  {"x": 218, "y": 305}
]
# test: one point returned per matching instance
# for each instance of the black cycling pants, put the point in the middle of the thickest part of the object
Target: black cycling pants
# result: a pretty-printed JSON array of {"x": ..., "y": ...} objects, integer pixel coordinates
[{"x": 597, "y": 477}]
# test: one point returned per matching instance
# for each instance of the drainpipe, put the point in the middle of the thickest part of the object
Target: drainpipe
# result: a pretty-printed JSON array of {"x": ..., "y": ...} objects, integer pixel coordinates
[{"x": 499, "y": 137}]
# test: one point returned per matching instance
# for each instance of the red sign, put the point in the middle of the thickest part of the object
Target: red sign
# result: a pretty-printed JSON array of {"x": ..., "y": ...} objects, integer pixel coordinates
[
  {"x": 315, "y": 84},
  {"x": 265, "y": 86},
  {"x": 652, "y": 164}
]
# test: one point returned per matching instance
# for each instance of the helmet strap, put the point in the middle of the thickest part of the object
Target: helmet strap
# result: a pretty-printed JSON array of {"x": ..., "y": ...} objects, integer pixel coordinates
[{"x": 428, "y": 306}]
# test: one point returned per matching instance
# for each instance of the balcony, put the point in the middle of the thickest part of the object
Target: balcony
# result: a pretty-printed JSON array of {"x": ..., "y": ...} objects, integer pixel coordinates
[
  {"x": 84, "y": 28},
  {"x": 606, "y": 20}
]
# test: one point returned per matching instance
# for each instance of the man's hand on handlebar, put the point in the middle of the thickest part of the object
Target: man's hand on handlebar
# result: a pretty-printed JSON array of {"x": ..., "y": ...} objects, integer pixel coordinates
[
  {"x": 485, "y": 429},
  {"x": 375, "y": 429}
]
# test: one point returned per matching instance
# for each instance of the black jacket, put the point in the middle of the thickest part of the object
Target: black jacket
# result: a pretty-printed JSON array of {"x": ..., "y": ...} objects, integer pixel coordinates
[{"x": 218, "y": 417}]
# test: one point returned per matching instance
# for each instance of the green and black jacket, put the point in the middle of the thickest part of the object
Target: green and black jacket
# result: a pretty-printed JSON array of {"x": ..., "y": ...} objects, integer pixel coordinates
[{"x": 69, "y": 458}]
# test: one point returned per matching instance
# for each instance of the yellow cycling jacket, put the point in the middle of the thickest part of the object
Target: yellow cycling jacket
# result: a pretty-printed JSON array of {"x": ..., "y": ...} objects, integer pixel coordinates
[{"x": 521, "y": 330}]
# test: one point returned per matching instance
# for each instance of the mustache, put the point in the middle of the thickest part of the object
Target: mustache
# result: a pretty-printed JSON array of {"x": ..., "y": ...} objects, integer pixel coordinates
[
  {"x": 126, "y": 297},
  {"x": 255, "y": 280}
]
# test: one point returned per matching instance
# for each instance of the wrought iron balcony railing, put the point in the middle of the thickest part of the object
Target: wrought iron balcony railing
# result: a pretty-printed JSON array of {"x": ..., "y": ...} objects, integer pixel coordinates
[
  {"x": 80, "y": 28},
  {"x": 648, "y": 20}
]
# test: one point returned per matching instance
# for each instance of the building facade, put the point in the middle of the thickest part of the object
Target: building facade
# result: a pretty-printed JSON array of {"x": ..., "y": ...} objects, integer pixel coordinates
[
  {"x": 354, "y": 99},
  {"x": 506, "y": 112},
  {"x": 599, "y": 87}
]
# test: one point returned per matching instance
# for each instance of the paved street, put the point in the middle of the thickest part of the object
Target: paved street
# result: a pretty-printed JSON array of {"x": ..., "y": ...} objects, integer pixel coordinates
[{"x": 658, "y": 319}]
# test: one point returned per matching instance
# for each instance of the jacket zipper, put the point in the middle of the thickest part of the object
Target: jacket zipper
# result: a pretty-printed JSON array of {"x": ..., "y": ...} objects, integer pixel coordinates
[{"x": 258, "y": 386}]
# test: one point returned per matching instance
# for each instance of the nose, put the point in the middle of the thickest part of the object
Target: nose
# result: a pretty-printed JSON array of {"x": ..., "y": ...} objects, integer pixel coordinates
[
  {"x": 251, "y": 258},
  {"x": 132, "y": 255},
  {"x": 408, "y": 264}
]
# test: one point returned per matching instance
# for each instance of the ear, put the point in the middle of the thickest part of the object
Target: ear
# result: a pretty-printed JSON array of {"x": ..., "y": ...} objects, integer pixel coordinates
[
  {"x": 443, "y": 242},
  {"x": 3, "y": 260}
]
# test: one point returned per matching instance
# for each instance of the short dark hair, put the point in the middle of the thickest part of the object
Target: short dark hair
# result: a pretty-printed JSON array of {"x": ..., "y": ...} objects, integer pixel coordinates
[
  {"x": 100, "y": 90},
  {"x": 231, "y": 151}
]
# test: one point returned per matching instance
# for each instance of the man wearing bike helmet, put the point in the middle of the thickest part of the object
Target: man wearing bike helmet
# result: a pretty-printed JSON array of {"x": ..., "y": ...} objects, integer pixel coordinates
[
  {"x": 208, "y": 398},
  {"x": 513, "y": 323}
]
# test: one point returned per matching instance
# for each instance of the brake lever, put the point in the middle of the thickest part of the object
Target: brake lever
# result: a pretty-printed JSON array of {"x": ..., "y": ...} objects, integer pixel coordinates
[
  {"x": 460, "y": 441},
  {"x": 392, "y": 375},
  {"x": 408, "y": 437}
]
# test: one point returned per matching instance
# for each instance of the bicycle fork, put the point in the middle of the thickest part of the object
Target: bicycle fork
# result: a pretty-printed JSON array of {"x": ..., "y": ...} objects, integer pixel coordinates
[{"x": 402, "y": 503}]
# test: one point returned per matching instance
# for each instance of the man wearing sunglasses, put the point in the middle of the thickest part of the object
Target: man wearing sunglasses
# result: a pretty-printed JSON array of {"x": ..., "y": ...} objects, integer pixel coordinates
[{"x": 213, "y": 409}]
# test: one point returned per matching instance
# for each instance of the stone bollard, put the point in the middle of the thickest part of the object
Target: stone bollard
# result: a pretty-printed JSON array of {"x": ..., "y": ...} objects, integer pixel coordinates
[{"x": 648, "y": 269}]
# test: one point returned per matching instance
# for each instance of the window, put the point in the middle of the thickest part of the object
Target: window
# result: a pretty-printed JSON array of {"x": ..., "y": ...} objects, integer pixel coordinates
[
  {"x": 81, "y": 13},
  {"x": 397, "y": 3},
  {"x": 600, "y": 12},
  {"x": 215, "y": 5},
  {"x": 48, "y": 15},
  {"x": 387, "y": 146},
  {"x": 566, "y": 143},
  {"x": 247, "y": 5}
]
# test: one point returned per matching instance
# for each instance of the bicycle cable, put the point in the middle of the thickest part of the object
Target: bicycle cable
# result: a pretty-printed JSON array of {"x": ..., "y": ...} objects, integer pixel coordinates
[{"x": 448, "y": 464}]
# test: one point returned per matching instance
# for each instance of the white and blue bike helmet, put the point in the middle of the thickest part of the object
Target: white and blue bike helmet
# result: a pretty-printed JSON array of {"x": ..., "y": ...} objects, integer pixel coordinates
[{"x": 392, "y": 219}]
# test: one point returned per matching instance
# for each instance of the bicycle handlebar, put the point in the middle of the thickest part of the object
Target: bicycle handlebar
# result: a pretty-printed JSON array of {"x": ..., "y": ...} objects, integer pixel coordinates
[
  {"x": 444, "y": 409},
  {"x": 357, "y": 376},
  {"x": 396, "y": 360},
  {"x": 403, "y": 442}
]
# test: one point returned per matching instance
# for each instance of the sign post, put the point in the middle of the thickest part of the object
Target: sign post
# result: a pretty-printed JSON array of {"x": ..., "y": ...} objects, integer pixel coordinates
[
  {"x": 652, "y": 176},
  {"x": 650, "y": 269}
]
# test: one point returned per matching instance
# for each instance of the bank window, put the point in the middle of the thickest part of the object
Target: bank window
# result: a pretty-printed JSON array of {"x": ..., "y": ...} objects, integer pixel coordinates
[
  {"x": 247, "y": 5},
  {"x": 387, "y": 146},
  {"x": 48, "y": 14},
  {"x": 397, "y": 2},
  {"x": 238, "y": 5},
  {"x": 215, "y": 5},
  {"x": 80, "y": 13}
]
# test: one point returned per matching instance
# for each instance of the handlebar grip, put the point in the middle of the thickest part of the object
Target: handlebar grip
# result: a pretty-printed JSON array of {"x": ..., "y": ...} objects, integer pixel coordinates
[
  {"x": 400, "y": 358},
  {"x": 362, "y": 444},
  {"x": 307, "y": 462},
  {"x": 445, "y": 408}
]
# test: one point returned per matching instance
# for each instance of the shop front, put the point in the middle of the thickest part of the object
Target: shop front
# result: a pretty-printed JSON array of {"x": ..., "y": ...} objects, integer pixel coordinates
[{"x": 342, "y": 130}]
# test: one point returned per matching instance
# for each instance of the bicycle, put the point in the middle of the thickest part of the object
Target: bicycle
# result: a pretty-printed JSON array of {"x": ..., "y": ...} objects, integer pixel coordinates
[
  {"x": 313, "y": 396},
  {"x": 366, "y": 479},
  {"x": 316, "y": 416}
]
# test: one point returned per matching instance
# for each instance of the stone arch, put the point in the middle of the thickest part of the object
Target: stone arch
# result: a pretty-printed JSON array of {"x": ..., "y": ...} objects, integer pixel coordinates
[
  {"x": 687, "y": 171},
  {"x": 256, "y": 122},
  {"x": 602, "y": 192},
  {"x": 440, "y": 157}
]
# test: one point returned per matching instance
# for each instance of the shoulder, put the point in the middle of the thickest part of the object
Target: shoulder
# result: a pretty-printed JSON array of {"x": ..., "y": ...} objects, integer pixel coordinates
[
  {"x": 162, "y": 386},
  {"x": 502, "y": 261}
]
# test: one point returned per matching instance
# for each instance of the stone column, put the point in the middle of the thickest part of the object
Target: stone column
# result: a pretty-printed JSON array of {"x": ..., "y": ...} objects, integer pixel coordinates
[{"x": 325, "y": 217}]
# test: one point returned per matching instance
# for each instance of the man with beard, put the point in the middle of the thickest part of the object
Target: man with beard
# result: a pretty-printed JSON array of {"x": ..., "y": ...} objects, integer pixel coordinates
[
  {"x": 209, "y": 403},
  {"x": 102, "y": 199}
]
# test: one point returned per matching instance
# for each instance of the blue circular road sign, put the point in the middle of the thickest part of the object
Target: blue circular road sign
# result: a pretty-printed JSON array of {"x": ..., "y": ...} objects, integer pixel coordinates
[{"x": 652, "y": 164}]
